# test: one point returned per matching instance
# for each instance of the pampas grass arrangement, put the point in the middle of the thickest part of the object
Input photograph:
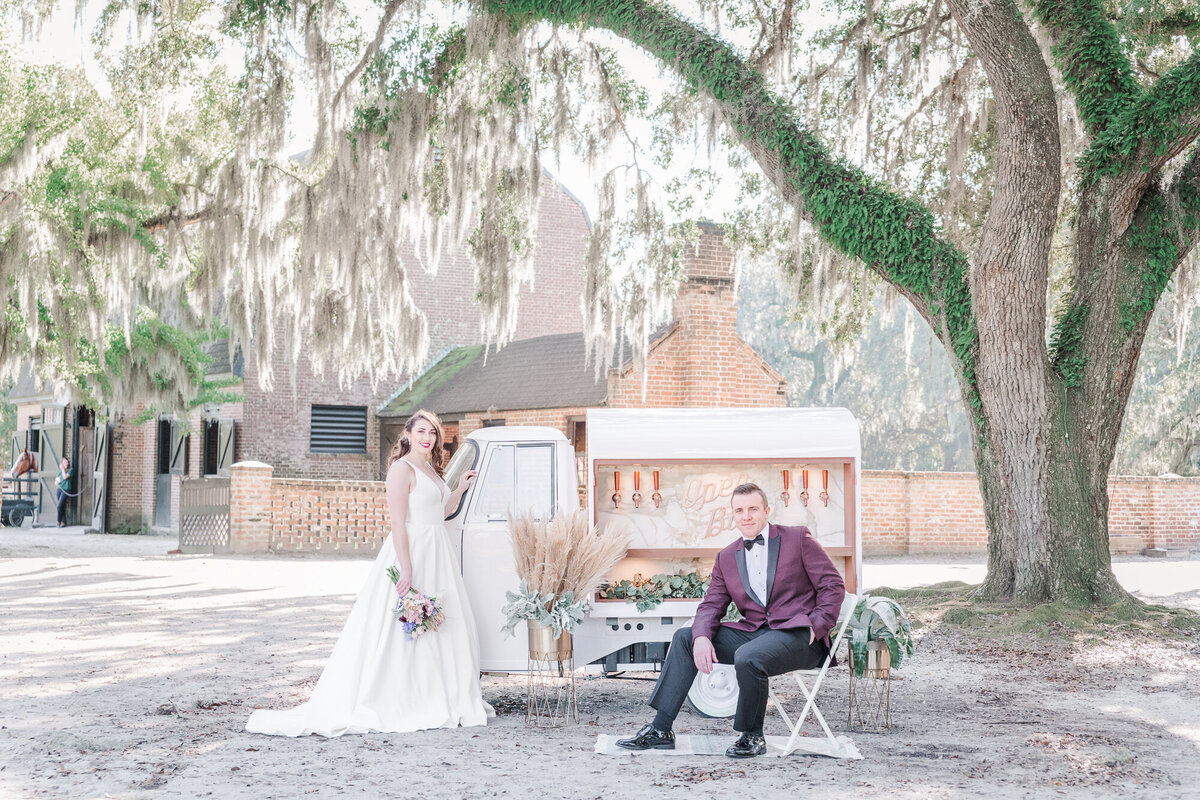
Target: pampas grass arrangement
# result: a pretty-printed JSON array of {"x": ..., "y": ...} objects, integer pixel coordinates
[{"x": 565, "y": 554}]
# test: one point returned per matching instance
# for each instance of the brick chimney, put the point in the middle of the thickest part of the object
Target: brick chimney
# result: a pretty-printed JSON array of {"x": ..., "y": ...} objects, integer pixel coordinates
[
  {"x": 706, "y": 312},
  {"x": 700, "y": 361}
]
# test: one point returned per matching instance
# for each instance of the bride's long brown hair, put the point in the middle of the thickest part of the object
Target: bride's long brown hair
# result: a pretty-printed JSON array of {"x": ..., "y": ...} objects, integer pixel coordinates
[{"x": 403, "y": 445}]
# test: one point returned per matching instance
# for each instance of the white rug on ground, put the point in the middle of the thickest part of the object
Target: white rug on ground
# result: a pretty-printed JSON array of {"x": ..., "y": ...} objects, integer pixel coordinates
[{"x": 709, "y": 745}]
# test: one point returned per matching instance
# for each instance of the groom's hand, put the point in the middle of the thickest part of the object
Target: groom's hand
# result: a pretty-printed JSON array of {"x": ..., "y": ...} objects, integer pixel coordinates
[{"x": 704, "y": 653}]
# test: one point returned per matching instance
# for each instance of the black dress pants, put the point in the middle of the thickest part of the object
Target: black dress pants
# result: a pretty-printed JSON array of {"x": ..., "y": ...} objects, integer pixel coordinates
[{"x": 755, "y": 656}]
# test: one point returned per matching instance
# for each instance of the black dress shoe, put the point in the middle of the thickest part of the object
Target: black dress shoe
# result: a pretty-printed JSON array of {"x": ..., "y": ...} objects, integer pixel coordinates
[
  {"x": 649, "y": 738},
  {"x": 748, "y": 745}
]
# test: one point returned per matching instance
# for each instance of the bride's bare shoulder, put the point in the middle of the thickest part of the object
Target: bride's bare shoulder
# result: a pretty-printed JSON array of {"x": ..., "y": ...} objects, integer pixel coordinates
[{"x": 400, "y": 472}]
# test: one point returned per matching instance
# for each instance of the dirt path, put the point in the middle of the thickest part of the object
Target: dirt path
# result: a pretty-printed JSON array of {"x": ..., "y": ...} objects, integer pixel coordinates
[{"x": 127, "y": 673}]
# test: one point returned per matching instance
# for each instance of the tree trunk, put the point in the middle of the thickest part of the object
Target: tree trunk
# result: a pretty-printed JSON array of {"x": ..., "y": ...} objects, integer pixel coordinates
[{"x": 1058, "y": 548}]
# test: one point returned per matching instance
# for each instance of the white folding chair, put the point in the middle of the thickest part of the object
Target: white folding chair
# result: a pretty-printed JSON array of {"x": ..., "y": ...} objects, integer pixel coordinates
[{"x": 810, "y": 697}]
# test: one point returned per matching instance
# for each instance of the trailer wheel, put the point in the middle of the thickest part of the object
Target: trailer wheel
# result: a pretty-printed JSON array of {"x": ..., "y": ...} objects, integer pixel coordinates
[
  {"x": 715, "y": 694},
  {"x": 16, "y": 517}
]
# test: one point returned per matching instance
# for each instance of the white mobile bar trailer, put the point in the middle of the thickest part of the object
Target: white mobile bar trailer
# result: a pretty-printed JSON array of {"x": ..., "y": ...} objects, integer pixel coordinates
[{"x": 682, "y": 465}]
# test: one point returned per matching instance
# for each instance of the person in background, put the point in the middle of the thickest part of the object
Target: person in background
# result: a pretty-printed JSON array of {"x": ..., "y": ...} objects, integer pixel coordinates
[{"x": 63, "y": 482}]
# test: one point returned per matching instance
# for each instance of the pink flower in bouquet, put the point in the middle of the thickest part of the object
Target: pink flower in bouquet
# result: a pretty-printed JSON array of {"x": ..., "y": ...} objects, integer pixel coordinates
[{"x": 416, "y": 612}]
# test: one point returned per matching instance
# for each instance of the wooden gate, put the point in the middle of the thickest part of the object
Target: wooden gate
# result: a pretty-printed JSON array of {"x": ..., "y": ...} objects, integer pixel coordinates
[
  {"x": 100, "y": 468},
  {"x": 204, "y": 515},
  {"x": 172, "y": 462},
  {"x": 52, "y": 443}
]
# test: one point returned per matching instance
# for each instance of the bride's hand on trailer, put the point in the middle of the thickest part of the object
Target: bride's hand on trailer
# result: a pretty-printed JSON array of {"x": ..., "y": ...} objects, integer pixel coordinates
[{"x": 466, "y": 480}]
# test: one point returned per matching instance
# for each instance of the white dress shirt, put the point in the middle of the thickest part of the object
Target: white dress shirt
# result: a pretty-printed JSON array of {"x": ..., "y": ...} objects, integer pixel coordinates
[{"x": 756, "y": 565}]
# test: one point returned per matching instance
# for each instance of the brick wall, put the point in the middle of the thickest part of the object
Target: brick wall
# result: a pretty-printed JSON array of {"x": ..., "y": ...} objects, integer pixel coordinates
[
  {"x": 24, "y": 412},
  {"x": 134, "y": 468},
  {"x": 294, "y": 515},
  {"x": 1161, "y": 512},
  {"x": 921, "y": 512},
  {"x": 551, "y": 304},
  {"x": 250, "y": 493},
  {"x": 903, "y": 512},
  {"x": 942, "y": 512},
  {"x": 277, "y": 423},
  {"x": 328, "y": 517}
]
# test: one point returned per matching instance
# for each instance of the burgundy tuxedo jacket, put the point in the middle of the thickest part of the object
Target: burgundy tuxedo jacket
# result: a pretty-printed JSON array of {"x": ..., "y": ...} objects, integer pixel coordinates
[{"x": 803, "y": 587}]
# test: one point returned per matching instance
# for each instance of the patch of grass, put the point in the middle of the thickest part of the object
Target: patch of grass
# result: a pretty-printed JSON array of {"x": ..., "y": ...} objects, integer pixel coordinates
[
  {"x": 952, "y": 607},
  {"x": 960, "y": 616},
  {"x": 946, "y": 590}
]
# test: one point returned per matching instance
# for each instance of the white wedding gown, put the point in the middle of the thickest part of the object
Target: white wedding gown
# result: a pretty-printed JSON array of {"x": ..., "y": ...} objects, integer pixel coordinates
[{"x": 376, "y": 680}]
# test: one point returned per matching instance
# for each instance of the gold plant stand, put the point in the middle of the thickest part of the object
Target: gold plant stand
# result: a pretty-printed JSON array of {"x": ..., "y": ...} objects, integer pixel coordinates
[
  {"x": 551, "y": 683},
  {"x": 871, "y": 695}
]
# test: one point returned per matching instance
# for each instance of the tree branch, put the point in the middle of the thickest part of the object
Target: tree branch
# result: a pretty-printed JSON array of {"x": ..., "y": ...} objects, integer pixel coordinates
[
  {"x": 895, "y": 237},
  {"x": 1158, "y": 126},
  {"x": 156, "y": 223},
  {"x": 1164, "y": 228},
  {"x": 777, "y": 38},
  {"x": 1126, "y": 159},
  {"x": 389, "y": 12},
  {"x": 850, "y": 209},
  {"x": 930, "y": 96},
  {"x": 1088, "y": 52},
  {"x": 1181, "y": 22}
]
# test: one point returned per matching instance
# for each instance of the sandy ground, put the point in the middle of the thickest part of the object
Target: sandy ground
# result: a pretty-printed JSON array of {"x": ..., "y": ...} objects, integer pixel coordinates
[{"x": 128, "y": 673}]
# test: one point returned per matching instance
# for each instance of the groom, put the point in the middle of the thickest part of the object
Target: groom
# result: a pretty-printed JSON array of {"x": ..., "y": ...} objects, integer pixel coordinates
[{"x": 789, "y": 594}]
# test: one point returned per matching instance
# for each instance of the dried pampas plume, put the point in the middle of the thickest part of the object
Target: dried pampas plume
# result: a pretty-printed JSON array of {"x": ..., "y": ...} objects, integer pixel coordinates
[{"x": 565, "y": 554}]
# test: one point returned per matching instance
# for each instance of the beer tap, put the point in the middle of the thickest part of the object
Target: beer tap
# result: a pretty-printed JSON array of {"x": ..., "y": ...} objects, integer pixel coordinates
[
  {"x": 637, "y": 484},
  {"x": 824, "y": 487},
  {"x": 656, "y": 497},
  {"x": 804, "y": 494},
  {"x": 787, "y": 481},
  {"x": 616, "y": 498}
]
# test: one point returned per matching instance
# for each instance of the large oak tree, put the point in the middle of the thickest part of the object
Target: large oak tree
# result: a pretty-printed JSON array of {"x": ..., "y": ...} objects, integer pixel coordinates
[{"x": 431, "y": 133}]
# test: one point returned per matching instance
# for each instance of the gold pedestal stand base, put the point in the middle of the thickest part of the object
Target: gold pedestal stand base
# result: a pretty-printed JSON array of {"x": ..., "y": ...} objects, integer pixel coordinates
[
  {"x": 551, "y": 683},
  {"x": 871, "y": 695}
]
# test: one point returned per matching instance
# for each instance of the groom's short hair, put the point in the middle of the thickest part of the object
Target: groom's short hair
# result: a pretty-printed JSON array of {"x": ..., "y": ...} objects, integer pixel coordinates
[{"x": 751, "y": 488}]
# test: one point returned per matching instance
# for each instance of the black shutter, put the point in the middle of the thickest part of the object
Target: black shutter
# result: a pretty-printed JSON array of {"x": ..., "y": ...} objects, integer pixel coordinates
[{"x": 338, "y": 429}]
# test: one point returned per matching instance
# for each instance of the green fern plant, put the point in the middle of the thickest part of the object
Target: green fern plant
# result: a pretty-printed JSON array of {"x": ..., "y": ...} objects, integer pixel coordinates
[{"x": 879, "y": 619}]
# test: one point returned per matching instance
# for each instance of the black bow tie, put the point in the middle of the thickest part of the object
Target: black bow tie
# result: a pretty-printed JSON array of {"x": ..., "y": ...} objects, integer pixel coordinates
[{"x": 751, "y": 542}]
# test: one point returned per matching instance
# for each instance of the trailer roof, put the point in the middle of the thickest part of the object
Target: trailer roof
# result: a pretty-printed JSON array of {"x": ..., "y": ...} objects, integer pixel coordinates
[
  {"x": 517, "y": 433},
  {"x": 703, "y": 433}
]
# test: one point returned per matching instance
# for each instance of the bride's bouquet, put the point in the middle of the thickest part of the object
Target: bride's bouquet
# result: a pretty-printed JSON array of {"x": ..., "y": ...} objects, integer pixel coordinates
[{"x": 417, "y": 612}]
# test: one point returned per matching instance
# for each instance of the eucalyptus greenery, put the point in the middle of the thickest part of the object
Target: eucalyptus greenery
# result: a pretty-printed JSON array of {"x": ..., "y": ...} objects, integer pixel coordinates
[
  {"x": 563, "y": 613},
  {"x": 649, "y": 593},
  {"x": 879, "y": 619}
]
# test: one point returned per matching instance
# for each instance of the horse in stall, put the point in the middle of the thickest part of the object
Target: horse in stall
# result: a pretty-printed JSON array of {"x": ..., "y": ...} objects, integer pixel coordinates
[{"x": 26, "y": 463}]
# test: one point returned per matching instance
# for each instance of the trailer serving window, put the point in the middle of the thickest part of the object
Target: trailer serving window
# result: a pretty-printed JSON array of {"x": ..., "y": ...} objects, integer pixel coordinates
[{"x": 518, "y": 477}]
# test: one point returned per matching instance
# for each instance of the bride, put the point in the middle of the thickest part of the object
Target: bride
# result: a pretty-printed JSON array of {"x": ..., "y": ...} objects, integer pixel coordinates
[{"x": 376, "y": 680}]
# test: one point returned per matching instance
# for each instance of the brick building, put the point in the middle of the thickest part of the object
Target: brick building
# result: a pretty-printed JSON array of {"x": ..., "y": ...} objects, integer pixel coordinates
[
  {"x": 308, "y": 426},
  {"x": 277, "y": 426},
  {"x": 696, "y": 360}
]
